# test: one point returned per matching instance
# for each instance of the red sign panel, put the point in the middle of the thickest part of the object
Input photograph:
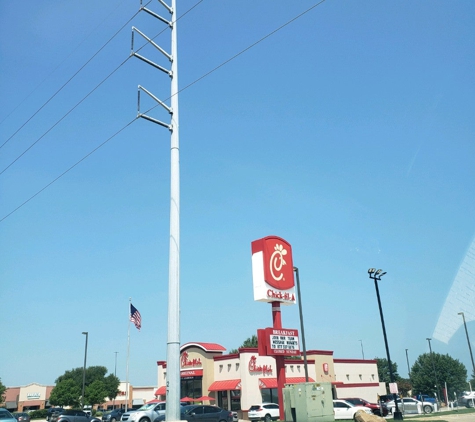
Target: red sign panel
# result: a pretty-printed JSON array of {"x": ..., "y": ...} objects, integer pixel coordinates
[{"x": 278, "y": 265}]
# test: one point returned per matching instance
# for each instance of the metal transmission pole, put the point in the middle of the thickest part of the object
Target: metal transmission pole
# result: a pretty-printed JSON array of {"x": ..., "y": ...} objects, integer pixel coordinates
[{"x": 173, "y": 341}]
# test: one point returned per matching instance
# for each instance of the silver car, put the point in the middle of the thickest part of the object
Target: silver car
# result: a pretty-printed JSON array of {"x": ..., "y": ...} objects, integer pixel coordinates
[
  {"x": 147, "y": 413},
  {"x": 410, "y": 405}
]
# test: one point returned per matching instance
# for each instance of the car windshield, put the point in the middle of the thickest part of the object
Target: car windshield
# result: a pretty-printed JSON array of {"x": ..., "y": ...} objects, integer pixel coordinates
[
  {"x": 255, "y": 407},
  {"x": 147, "y": 406},
  {"x": 5, "y": 414}
]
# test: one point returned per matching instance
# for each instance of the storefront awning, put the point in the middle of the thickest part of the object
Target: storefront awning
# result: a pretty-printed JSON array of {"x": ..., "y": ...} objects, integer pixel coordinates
[
  {"x": 160, "y": 391},
  {"x": 30, "y": 403},
  {"x": 272, "y": 382},
  {"x": 225, "y": 385}
]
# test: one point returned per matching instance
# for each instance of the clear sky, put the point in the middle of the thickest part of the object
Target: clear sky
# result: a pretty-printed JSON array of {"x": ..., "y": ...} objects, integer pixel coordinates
[{"x": 349, "y": 133}]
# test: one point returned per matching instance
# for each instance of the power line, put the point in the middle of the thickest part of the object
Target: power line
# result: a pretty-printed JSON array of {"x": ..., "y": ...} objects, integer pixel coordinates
[
  {"x": 68, "y": 170},
  {"x": 186, "y": 87},
  {"x": 64, "y": 116},
  {"x": 67, "y": 82},
  {"x": 87, "y": 95},
  {"x": 56, "y": 68}
]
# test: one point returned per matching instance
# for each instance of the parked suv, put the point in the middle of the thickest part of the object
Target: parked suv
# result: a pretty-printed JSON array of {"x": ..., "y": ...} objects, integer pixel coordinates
[
  {"x": 375, "y": 408},
  {"x": 113, "y": 415},
  {"x": 467, "y": 399},
  {"x": 264, "y": 412}
]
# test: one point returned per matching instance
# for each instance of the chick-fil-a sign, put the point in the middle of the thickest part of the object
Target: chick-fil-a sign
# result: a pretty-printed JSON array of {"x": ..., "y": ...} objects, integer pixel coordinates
[
  {"x": 273, "y": 270},
  {"x": 254, "y": 367}
]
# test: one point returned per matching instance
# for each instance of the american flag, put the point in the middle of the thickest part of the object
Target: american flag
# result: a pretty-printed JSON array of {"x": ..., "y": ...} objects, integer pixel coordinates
[{"x": 135, "y": 317}]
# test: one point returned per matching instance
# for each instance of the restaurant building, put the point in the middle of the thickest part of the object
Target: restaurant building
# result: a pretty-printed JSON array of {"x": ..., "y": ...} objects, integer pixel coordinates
[{"x": 239, "y": 380}]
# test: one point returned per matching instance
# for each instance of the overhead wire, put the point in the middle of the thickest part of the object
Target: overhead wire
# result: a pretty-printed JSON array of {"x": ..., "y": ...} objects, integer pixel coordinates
[
  {"x": 56, "y": 68},
  {"x": 179, "y": 91},
  {"x": 88, "y": 94},
  {"x": 69, "y": 80}
]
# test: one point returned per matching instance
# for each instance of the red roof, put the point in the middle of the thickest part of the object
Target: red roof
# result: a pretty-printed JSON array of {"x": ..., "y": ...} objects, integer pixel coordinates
[
  {"x": 225, "y": 385},
  {"x": 160, "y": 391},
  {"x": 207, "y": 347},
  {"x": 272, "y": 382}
]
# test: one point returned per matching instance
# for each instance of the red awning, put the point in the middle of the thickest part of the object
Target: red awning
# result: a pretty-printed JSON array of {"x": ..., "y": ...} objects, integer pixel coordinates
[
  {"x": 161, "y": 391},
  {"x": 272, "y": 382},
  {"x": 225, "y": 385}
]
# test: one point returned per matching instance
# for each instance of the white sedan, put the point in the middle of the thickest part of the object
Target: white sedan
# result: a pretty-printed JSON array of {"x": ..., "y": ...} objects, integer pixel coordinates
[
  {"x": 346, "y": 410},
  {"x": 410, "y": 405}
]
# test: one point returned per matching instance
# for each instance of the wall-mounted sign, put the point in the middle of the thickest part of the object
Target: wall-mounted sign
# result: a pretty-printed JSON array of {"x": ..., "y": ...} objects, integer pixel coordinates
[
  {"x": 186, "y": 361},
  {"x": 192, "y": 373},
  {"x": 325, "y": 368},
  {"x": 33, "y": 396},
  {"x": 254, "y": 367},
  {"x": 273, "y": 270},
  {"x": 278, "y": 342}
]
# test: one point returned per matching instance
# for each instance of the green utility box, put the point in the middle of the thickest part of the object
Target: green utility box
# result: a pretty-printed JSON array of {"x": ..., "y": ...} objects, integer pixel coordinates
[{"x": 309, "y": 402}]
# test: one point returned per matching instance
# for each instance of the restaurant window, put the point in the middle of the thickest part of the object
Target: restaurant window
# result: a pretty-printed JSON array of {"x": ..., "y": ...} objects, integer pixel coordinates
[
  {"x": 269, "y": 395},
  {"x": 223, "y": 400},
  {"x": 191, "y": 387},
  {"x": 235, "y": 399}
]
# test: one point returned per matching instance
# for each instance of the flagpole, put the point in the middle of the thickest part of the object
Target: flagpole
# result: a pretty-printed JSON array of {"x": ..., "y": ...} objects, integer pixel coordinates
[{"x": 128, "y": 352}]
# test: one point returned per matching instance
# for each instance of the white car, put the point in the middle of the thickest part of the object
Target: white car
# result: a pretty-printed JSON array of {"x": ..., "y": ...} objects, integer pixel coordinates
[
  {"x": 346, "y": 410},
  {"x": 264, "y": 412},
  {"x": 410, "y": 405}
]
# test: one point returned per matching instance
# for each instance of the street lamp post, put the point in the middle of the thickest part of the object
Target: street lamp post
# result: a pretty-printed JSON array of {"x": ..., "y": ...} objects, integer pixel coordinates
[
  {"x": 115, "y": 375},
  {"x": 376, "y": 276},
  {"x": 84, "y": 371},
  {"x": 362, "y": 350},
  {"x": 296, "y": 270},
  {"x": 433, "y": 367},
  {"x": 408, "y": 367},
  {"x": 468, "y": 341}
]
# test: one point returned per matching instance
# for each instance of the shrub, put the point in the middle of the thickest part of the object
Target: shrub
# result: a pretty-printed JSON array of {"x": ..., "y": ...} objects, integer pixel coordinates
[{"x": 38, "y": 414}]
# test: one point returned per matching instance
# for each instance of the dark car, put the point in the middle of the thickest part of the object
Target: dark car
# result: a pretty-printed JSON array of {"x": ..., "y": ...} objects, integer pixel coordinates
[
  {"x": 22, "y": 416},
  {"x": 203, "y": 413},
  {"x": 70, "y": 415},
  {"x": 113, "y": 415},
  {"x": 373, "y": 406},
  {"x": 51, "y": 410}
]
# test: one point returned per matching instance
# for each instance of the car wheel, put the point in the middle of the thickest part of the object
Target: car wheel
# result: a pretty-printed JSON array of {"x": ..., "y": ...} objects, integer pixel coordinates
[
  {"x": 469, "y": 403},
  {"x": 427, "y": 409},
  {"x": 144, "y": 420},
  {"x": 267, "y": 418},
  {"x": 113, "y": 420}
]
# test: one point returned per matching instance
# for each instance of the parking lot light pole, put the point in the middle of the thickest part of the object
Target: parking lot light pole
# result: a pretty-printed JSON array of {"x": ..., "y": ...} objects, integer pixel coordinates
[
  {"x": 408, "y": 367},
  {"x": 305, "y": 365},
  {"x": 468, "y": 341},
  {"x": 376, "y": 276},
  {"x": 84, "y": 371},
  {"x": 433, "y": 367}
]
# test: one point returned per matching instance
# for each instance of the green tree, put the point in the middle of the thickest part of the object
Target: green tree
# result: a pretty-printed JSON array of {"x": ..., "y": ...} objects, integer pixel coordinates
[
  {"x": 65, "y": 393},
  {"x": 95, "y": 393},
  {"x": 404, "y": 386},
  {"x": 249, "y": 342},
  {"x": 447, "y": 370},
  {"x": 383, "y": 370},
  {"x": 2, "y": 392},
  {"x": 110, "y": 383}
]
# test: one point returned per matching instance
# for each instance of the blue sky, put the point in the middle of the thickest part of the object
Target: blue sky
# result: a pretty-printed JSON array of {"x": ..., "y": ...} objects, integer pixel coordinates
[{"x": 349, "y": 133}]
